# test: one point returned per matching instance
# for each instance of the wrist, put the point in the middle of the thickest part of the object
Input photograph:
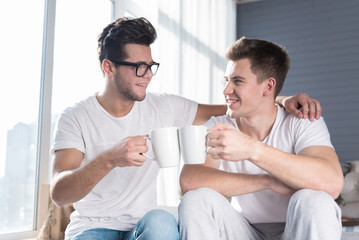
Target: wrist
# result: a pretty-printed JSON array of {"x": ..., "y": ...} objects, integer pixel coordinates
[
  {"x": 283, "y": 101},
  {"x": 106, "y": 161},
  {"x": 266, "y": 181},
  {"x": 280, "y": 100},
  {"x": 256, "y": 150}
]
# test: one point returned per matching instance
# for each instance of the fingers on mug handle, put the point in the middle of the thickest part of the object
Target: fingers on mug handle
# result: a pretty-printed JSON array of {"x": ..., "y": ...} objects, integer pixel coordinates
[
  {"x": 207, "y": 147},
  {"x": 146, "y": 155}
]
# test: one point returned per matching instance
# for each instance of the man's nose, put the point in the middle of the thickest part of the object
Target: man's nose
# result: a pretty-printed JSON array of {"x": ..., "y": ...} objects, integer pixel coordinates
[
  {"x": 228, "y": 89},
  {"x": 148, "y": 74}
]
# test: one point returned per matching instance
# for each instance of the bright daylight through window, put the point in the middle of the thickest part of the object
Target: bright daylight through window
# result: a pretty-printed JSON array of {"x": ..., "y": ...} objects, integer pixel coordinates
[
  {"x": 76, "y": 75},
  {"x": 20, "y": 61}
]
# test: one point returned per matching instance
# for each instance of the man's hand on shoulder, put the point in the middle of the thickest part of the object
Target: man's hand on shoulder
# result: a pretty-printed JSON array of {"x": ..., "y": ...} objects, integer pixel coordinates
[{"x": 309, "y": 106}]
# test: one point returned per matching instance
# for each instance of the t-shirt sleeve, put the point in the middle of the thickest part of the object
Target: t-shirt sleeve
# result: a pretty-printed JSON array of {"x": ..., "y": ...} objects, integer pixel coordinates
[
  {"x": 183, "y": 110},
  {"x": 220, "y": 119},
  {"x": 211, "y": 122},
  {"x": 67, "y": 133},
  {"x": 310, "y": 134}
]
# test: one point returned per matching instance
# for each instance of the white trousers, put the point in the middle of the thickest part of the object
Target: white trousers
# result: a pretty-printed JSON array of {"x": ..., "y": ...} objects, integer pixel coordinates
[{"x": 206, "y": 214}]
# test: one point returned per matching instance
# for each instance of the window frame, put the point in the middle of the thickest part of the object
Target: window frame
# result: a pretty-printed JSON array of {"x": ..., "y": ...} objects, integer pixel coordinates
[
  {"x": 44, "y": 125},
  {"x": 44, "y": 131},
  {"x": 42, "y": 189}
]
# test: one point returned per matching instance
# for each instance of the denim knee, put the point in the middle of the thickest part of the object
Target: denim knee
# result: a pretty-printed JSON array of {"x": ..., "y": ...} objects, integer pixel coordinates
[
  {"x": 157, "y": 224},
  {"x": 97, "y": 234}
]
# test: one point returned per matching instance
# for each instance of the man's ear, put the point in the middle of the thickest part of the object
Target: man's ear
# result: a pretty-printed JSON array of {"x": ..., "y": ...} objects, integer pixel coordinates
[
  {"x": 269, "y": 87},
  {"x": 108, "y": 67}
]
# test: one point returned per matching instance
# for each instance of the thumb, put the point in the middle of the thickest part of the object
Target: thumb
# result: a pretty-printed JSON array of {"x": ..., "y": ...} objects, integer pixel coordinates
[
  {"x": 298, "y": 113},
  {"x": 294, "y": 110}
]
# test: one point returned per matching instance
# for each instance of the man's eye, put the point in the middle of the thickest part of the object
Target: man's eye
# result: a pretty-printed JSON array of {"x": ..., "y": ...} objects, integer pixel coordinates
[{"x": 142, "y": 66}]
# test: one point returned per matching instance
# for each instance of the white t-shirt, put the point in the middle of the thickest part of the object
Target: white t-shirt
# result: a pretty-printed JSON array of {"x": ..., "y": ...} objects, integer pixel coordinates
[
  {"x": 125, "y": 194},
  {"x": 289, "y": 134}
]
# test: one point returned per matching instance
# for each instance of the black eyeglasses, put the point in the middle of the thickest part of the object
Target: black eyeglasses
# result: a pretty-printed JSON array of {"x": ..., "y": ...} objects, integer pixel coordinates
[{"x": 141, "y": 68}]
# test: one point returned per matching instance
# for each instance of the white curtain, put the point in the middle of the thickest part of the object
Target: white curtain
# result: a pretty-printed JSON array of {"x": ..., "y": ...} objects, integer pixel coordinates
[{"x": 193, "y": 36}]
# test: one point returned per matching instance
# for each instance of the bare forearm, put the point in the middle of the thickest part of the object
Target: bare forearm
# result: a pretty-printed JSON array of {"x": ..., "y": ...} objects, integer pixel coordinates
[
  {"x": 299, "y": 171},
  {"x": 72, "y": 185},
  {"x": 228, "y": 184},
  {"x": 206, "y": 111},
  {"x": 280, "y": 100}
]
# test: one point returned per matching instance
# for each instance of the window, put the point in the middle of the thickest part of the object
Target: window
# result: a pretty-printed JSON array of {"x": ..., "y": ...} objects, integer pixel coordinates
[
  {"x": 25, "y": 60},
  {"x": 77, "y": 73},
  {"x": 20, "y": 61},
  {"x": 54, "y": 74}
]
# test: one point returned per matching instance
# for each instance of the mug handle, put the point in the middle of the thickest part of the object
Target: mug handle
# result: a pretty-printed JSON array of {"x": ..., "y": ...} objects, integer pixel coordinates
[
  {"x": 144, "y": 154},
  {"x": 208, "y": 132}
]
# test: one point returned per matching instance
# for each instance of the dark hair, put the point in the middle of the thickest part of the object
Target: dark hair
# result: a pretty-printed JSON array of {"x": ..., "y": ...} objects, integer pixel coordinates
[
  {"x": 267, "y": 59},
  {"x": 111, "y": 42}
]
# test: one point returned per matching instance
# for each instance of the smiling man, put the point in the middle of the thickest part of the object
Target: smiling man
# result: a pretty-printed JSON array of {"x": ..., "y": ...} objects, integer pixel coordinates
[
  {"x": 98, "y": 161},
  {"x": 281, "y": 172}
]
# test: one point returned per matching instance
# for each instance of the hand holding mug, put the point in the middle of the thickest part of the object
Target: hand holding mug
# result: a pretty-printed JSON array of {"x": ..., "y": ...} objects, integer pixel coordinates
[
  {"x": 128, "y": 152},
  {"x": 228, "y": 143},
  {"x": 169, "y": 143},
  {"x": 165, "y": 146}
]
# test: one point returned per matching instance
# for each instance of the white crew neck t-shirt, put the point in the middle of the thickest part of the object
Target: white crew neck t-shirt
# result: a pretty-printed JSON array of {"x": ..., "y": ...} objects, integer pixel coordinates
[
  {"x": 289, "y": 134},
  {"x": 125, "y": 194}
]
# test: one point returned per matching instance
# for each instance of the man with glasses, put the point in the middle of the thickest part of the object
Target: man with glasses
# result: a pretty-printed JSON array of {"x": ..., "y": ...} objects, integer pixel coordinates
[{"x": 98, "y": 161}]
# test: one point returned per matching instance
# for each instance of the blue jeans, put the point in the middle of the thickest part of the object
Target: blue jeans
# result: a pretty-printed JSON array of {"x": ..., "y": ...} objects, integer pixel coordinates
[{"x": 155, "y": 225}]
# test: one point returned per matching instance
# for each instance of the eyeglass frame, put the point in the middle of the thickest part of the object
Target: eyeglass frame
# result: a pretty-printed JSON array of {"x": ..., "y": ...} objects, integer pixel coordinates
[{"x": 148, "y": 66}]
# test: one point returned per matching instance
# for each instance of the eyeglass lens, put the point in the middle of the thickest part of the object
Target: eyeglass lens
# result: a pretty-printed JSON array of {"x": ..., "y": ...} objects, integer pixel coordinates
[{"x": 143, "y": 68}]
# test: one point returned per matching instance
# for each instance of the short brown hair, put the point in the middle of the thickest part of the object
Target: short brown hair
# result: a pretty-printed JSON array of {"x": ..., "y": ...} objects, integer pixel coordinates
[{"x": 267, "y": 59}]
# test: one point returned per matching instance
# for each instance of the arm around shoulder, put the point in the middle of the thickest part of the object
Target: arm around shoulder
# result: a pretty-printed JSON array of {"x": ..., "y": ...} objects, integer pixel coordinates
[{"x": 206, "y": 111}]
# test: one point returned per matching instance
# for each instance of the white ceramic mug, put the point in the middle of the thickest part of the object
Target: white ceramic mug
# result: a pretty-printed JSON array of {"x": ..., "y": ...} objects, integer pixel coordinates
[
  {"x": 165, "y": 146},
  {"x": 193, "y": 144}
]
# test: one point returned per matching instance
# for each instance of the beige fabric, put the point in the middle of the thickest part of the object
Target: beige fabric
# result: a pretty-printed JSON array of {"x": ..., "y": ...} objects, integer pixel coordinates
[
  {"x": 55, "y": 222},
  {"x": 350, "y": 192}
]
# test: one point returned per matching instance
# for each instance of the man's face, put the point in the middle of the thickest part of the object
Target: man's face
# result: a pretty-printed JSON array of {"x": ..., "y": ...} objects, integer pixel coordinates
[
  {"x": 128, "y": 85},
  {"x": 242, "y": 91}
]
